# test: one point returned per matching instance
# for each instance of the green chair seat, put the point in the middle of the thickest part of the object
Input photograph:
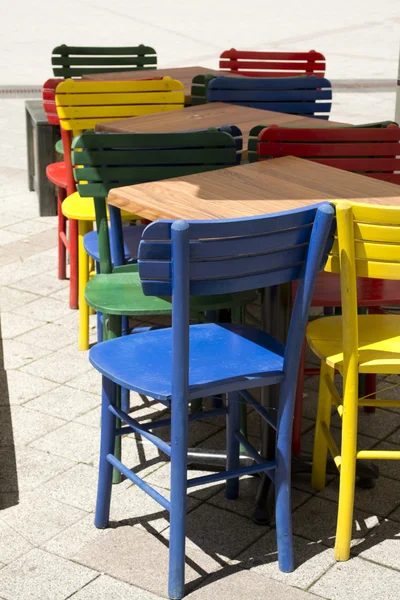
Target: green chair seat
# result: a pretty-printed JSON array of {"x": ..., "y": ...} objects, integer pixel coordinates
[
  {"x": 120, "y": 294},
  {"x": 59, "y": 147}
]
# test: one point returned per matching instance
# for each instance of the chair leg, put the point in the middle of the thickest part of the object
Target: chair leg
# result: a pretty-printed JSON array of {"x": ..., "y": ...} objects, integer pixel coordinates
[
  {"x": 62, "y": 222},
  {"x": 83, "y": 277},
  {"x": 106, "y": 447},
  {"x": 73, "y": 263},
  {"x": 347, "y": 466},
  {"x": 318, "y": 478},
  {"x": 298, "y": 407},
  {"x": 179, "y": 448},
  {"x": 232, "y": 444}
]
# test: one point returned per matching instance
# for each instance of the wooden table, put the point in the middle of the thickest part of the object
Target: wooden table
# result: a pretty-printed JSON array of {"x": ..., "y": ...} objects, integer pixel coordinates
[
  {"x": 214, "y": 114},
  {"x": 183, "y": 74},
  {"x": 250, "y": 189}
]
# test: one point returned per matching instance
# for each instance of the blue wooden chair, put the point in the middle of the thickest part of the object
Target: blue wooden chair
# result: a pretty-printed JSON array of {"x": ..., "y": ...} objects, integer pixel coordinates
[
  {"x": 305, "y": 96},
  {"x": 182, "y": 260}
]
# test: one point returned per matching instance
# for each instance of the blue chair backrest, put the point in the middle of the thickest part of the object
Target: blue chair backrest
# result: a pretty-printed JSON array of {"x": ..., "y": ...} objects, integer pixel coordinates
[
  {"x": 305, "y": 96},
  {"x": 182, "y": 259}
]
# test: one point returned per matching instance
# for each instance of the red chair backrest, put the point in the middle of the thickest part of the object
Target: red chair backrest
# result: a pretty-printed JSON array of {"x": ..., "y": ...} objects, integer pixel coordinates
[
  {"x": 272, "y": 64},
  {"x": 49, "y": 100},
  {"x": 372, "y": 152}
]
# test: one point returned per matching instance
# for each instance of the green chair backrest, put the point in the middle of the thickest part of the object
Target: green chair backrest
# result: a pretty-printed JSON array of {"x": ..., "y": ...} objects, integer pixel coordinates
[
  {"x": 75, "y": 61},
  {"x": 199, "y": 88},
  {"x": 105, "y": 161}
]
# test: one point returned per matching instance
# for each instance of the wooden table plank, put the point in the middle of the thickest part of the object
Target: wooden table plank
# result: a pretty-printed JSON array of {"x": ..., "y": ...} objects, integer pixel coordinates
[
  {"x": 204, "y": 116},
  {"x": 183, "y": 74},
  {"x": 251, "y": 189}
]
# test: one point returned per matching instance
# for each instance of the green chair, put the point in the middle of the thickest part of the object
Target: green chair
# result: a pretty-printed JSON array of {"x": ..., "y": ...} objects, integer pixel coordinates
[{"x": 75, "y": 61}]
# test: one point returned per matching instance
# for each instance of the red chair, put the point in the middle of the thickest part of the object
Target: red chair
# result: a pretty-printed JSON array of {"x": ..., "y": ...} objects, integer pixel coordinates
[
  {"x": 59, "y": 174},
  {"x": 272, "y": 64},
  {"x": 374, "y": 152}
]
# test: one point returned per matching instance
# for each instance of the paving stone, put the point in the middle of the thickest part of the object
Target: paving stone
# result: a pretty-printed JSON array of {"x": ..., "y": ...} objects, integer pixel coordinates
[
  {"x": 316, "y": 519},
  {"x": 42, "y": 284},
  {"x": 42, "y": 576},
  {"x": 312, "y": 560},
  {"x": 27, "y": 425},
  {"x": 363, "y": 442},
  {"x": 379, "y": 424},
  {"x": 59, "y": 367},
  {"x": 13, "y": 325},
  {"x": 11, "y": 299},
  {"x": 244, "y": 505},
  {"x": 380, "y": 500},
  {"x": 17, "y": 354},
  {"x": 92, "y": 417},
  {"x": 65, "y": 403},
  {"x": 12, "y": 544},
  {"x": 388, "y": 468},
  {"x": 107, "y": 588},
  {"x": 87, "y": 382},
  {"x": 32, "y": 226},
  {"x": 23, "y": 268},
  {"x": 358, "y": 578},
  {"x": 38, "y": 518},
  {"x": 382, "y": 545},
  {"x": 17, "y": 387},
  {"x": 7, "y": 237},
  {"x": 47, "y": 309},
  {"x": 73, "y": 441},
  {"x": 78, "y": 487},
  {"x": 219, "y": 533},
  {"x": 115, "y": 556},
  {"x": 161, "y": 478},
  {"x": 51, "y": 336},
  {"x": 233, "y": 583},
  {"x": 23, "y": 468}
]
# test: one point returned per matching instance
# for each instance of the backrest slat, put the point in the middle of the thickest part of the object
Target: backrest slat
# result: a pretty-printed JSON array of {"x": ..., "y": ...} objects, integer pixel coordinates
[
  {"x": 81, "y": 104},
  {"x": 293, "y": 95},
  {"x": 272, "y": 64},
  {"x": 75, "y": 61},
  {"x": 239, "y": 253},
  {"x": 371, "y": 151}
]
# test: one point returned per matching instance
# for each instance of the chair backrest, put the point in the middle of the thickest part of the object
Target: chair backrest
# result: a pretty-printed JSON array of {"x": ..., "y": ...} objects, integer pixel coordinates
[
  {"x": 198, "y": 90},
  {"x": 75, "y": 61},
  {"x": 255, "y": 131},
  {"x": 49, "y": 100},
  {"x": 83, "y": 104},
  {"x": 369, "y": 151},
  {"x": 105, "y": 161},
  {"x": 305, "y": 96},
  {"x": 272, "y": 64},
  {"x": 181, "y": 259},
  {"x": 367, "y": 244}
]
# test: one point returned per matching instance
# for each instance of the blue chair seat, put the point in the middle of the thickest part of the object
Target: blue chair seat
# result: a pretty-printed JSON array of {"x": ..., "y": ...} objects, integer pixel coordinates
[
  {"x": 132, "y": 237},
  {"x": 218, "y": 354}
]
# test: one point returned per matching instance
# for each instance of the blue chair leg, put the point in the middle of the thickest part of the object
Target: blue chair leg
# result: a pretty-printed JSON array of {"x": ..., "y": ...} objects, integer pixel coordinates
[
  {"x": 106, "y": 447},
  {"x": 100, "y": 320},
  {"x": 179, "y": 448},
  {"x": 232, "y": 444},
  {"x": 125, "y": 404},
  {"x": 283, "y": 458}
]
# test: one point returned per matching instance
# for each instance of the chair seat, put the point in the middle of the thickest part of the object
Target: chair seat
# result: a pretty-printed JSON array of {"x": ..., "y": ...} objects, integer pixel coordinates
[
  {"x": 132, "y": 237},
  {"x": 120, "y": 293},
  {"x": 142, "y": 362},
  {"x": 81, "y": 208},
  {"x": 379, "y": 342},
  {"x": 57, "y": 174},
  {"x": 59, "y": 147},
  {"x": 370, "y": 292}
]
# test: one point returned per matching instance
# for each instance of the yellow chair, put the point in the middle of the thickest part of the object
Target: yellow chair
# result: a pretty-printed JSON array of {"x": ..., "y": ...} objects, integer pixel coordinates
[
  {"x": 367, "y": 245},
  {"x": 80, "y": 106}
]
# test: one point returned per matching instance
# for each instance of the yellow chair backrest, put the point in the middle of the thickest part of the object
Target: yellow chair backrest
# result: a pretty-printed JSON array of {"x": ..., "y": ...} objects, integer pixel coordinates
[
  {"x": 367, "y": 244},
  {"x": 83, "y": 104}
]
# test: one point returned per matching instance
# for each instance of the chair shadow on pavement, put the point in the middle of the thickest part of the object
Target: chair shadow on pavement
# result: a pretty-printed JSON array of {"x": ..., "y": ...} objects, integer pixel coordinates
[{"x": 9, "y": 494}]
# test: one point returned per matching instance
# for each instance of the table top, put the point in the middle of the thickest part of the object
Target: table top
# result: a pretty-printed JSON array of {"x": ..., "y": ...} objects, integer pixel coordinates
[
  {"x": 250, "y": 189},
  {"x": 203, "y": 116},
  {"x": 183, "y": 74}
]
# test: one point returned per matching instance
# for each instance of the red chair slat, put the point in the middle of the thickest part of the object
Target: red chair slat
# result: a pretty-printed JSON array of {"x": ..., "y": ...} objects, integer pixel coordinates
[{"x": 272, "y": 64}]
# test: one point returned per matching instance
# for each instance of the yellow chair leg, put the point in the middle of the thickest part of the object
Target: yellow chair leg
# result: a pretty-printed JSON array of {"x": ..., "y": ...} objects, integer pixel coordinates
[
  {"x": 348, "y": 465},
  {"x": 83, "y": 259},
  {"x": 318, "y": 478}
]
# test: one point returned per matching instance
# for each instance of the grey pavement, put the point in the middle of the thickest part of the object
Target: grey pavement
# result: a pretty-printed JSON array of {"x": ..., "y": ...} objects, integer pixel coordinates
[{"x": 49, "y": 395}]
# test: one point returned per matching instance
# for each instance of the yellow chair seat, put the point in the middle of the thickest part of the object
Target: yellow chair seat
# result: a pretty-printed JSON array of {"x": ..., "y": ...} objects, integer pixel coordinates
[
  {"x": 82, "y": 209},
  {"x": 378, "y": 342}
]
